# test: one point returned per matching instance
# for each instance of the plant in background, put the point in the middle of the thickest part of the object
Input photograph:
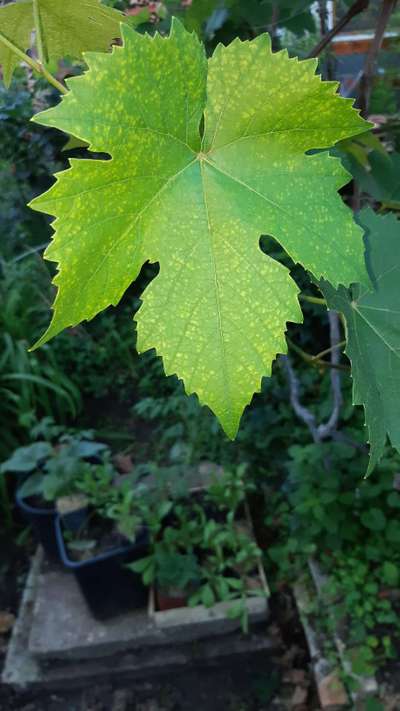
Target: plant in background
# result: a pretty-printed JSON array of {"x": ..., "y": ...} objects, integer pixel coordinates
[
  {"x": 229, "y": 557},
  {"x": 212, "y": 556},
  {"x": 52, "y": 470},
  {"x": 173, "y": 572},
  {"x": 350, "y": 526},
  {"x": 228, "y": 490},
  {"x": 31, "y": 385}
]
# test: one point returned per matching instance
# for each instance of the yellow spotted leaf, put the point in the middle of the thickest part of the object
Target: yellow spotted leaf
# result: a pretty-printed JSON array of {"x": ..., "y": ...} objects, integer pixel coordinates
[{"x": 206, "y": 156}]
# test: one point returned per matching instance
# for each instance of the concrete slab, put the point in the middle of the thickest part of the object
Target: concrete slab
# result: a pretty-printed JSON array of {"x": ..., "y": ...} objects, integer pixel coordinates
[
  {"x": 64, "y": 629},
  {"x": 56, "y": 644}
]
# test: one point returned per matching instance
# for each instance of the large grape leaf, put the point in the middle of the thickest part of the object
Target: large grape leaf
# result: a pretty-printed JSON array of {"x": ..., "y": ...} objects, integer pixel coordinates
[
  {"x": 373, "y": 332},
  {"x": 68, "y": 28},
  {"x": 197, "y": 201}
]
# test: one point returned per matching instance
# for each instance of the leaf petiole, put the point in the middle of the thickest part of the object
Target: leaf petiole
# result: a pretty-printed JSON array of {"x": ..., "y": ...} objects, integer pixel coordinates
[
  {"x": 316, "y": 361},
  {"x": 38, "y": 31},
  {"x": 328, "y": 350},
  {"x": 34, "y": 64},
  {"x": 312, "y": 299}
]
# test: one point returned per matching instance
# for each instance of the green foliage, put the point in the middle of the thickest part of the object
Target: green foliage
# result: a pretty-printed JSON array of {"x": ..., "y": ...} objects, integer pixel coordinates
[
  {"x": 172, "y": 570},
  {"x": 351, "y": 527},
  {"x": 31, "y": 385},
  {"x": 200, "y": 545},
  {"x": 104, "y": 360},
  {"x": 379, "y": 178},
  {"x": 54, "y": 469},
  {"x": 383, "y": 97},
  {"x": 66, "y": 29},
  {"x": 197, "y": 325},
  {"x": 27, "y": 153},
  {"x": 223, "y": 20},
  {"x": 372, "y": 328}
]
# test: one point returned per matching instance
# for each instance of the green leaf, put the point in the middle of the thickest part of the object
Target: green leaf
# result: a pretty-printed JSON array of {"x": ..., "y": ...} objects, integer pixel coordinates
[
  {"x": 196, "y": 14},
  {"x": 373, "y": 704},
  {"x": 373, "y": 519},
  {"x": 32, "y": 486},
  {"x": 68, "y": 28},
  {"x": 207, "y": 596},
  {"x": 139, "y": 566},
  {"x": 392, "y": 532},
  {"x": 26, "y": 459},
  {"x": 373, "y": 333},
  {"x": 16, "y": 24},
  {"x": 382, "y": 180},
  {"x": 235, "y": 611},
  {"x": 73, "y": 143},
  {"x": 197, "y": 205},
  {"x": 393, "y": 500},
  {"x": 390, "y": 573}
]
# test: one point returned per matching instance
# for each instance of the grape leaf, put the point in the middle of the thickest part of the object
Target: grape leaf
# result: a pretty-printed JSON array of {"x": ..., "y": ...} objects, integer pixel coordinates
[
  {"x": 373, "y": 332},
  {"x": 197, "y": 205},
  {"x": 382, "y": 179},
  {"x": 68, "y": 27}
]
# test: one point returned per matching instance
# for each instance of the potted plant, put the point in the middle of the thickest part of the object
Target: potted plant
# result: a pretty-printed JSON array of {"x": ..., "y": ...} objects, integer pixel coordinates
[
  {"x": 48, "y": 472},
  {"x": 231, "y": 571},
  {"x": 203, "y": 555},
  {"x": 174, "y": 573},
  {"x": 112, "y": 536}
]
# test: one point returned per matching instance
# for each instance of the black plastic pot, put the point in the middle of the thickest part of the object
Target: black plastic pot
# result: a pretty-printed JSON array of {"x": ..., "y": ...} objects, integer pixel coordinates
[
  {"x": 42, "y": 522},
  {"x": 74, "y": 520},
  {"x": 109, "y": 588}
]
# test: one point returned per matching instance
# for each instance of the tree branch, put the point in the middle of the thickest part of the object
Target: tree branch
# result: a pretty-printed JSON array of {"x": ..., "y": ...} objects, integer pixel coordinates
[
  {"x": 354, "y": 10},
  {"x": 294, "y": 387},
  {"x": 326, "y": 429},
  {"x": 387, "y": 6}
]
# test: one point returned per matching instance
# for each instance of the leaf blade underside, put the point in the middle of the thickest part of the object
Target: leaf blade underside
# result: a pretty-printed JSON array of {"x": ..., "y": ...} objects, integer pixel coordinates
[
  {"x": 68, "y": 29},
  {"x": 217, "y": 311}
]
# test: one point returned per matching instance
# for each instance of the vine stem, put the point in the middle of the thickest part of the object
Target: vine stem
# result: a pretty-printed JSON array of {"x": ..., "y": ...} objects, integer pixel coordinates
[
  {"x": 354, "y": 10},
  {"x": 35, "y": 65},
  {"x": 38, "y": 30},
  {"x": 387, "y": 7},
  {"x": 329, "y": 350},
  {"x": 312, "y": 299},
  {"x": 316, "y": 361}
]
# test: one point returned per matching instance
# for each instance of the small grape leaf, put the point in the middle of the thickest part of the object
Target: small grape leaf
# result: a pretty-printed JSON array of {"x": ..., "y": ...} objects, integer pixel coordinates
[
  {"x": 69, "y": 27},
  {"x": 373, "y": 332},
  {"x": 198, "y": 204}
]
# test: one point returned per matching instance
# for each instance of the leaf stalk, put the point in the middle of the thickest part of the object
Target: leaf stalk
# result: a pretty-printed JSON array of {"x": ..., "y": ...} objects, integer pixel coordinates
[
  {"x": 313, "y": 299},
  {"x": 34, "y": 64},
  {"x": 38, "y": 31}
]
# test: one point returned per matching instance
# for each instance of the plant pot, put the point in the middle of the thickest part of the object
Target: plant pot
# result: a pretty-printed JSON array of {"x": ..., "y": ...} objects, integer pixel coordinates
[
  {"x": 42, "y": 521},
  {"x": 200, "y": 621},
  {"x": 73, "y": 511},
  {"x": 170, "y": 599},
  {"x": 109, "y": 588}
]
